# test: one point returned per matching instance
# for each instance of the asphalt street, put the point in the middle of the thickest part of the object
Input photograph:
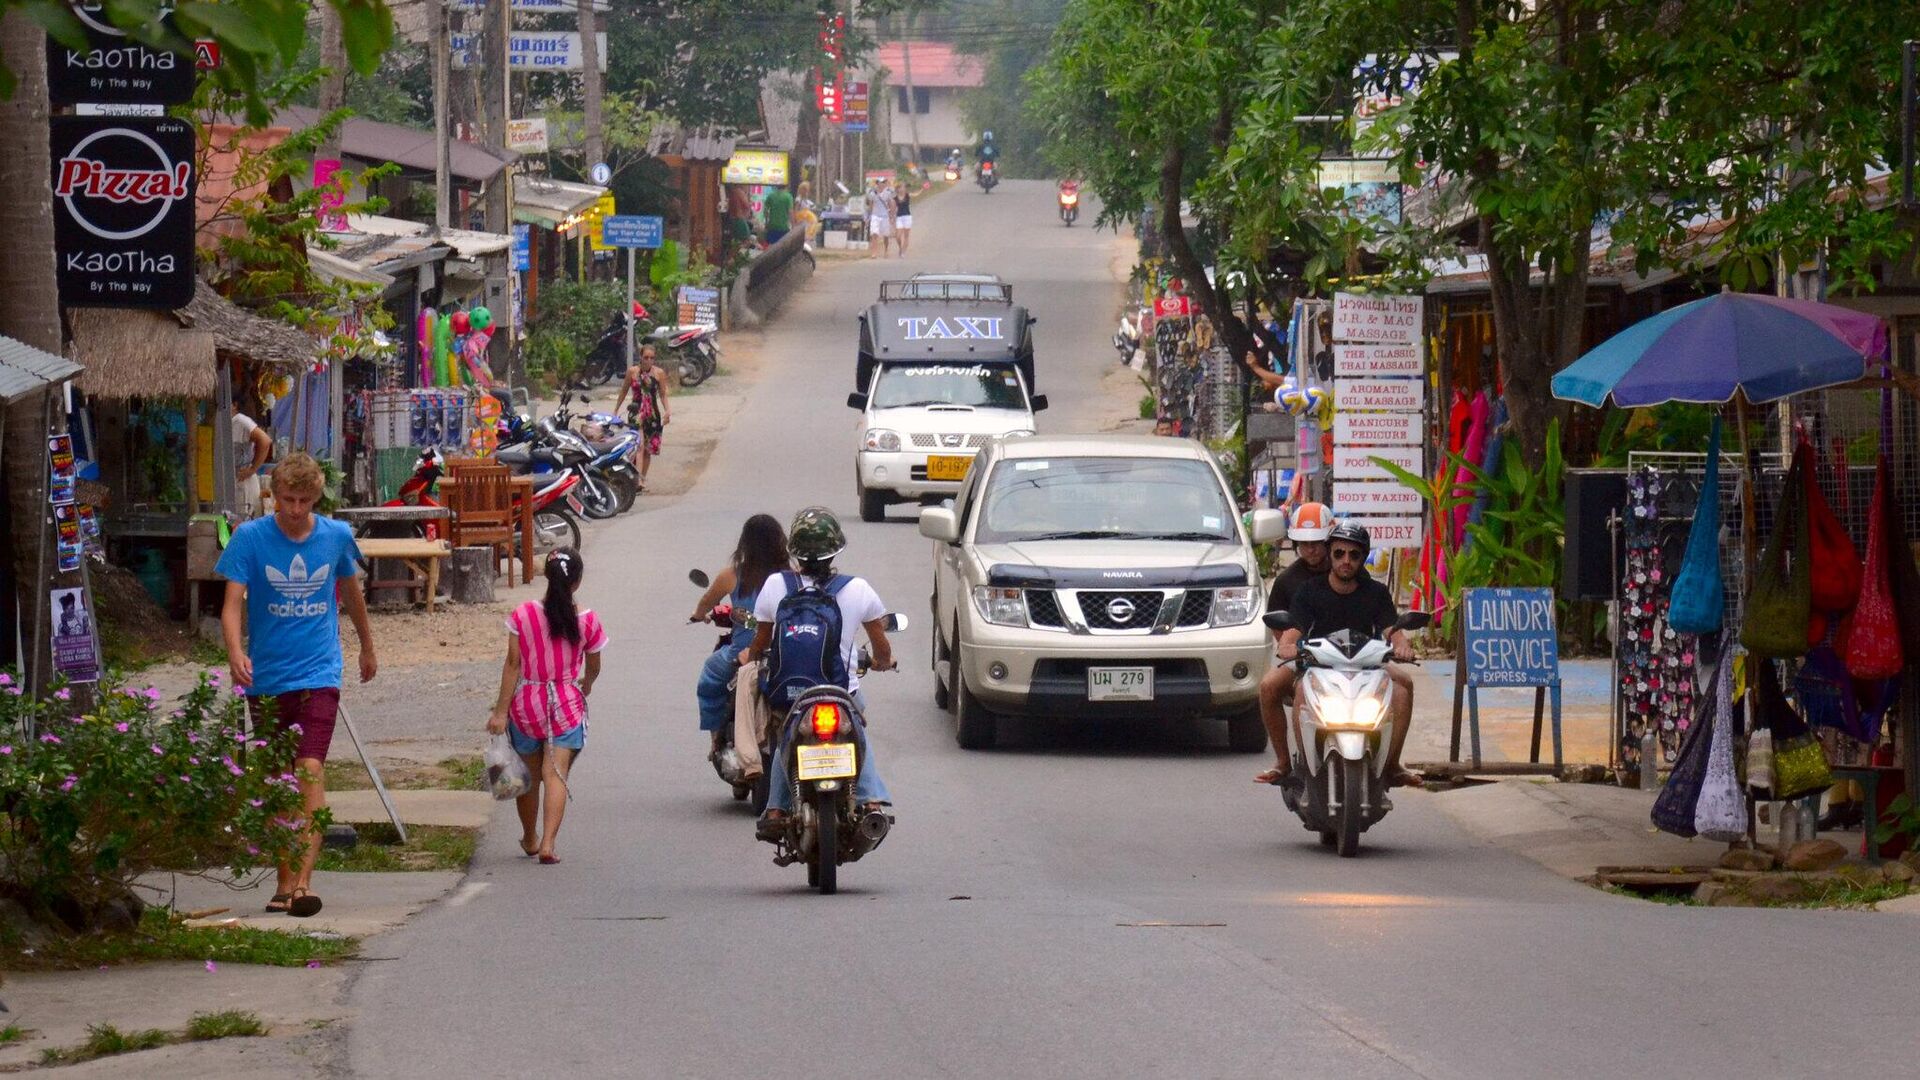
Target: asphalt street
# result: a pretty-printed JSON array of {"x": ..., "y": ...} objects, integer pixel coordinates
[{"x": 1114, "y": 901}]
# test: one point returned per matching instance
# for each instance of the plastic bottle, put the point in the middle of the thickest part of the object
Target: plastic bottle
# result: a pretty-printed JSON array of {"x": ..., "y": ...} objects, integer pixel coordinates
[{"x": 1649, "y": 760}]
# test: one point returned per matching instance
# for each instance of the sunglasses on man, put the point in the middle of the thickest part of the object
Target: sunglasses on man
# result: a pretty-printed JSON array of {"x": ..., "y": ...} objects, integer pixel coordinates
[{"x": 1348, "y": 555}]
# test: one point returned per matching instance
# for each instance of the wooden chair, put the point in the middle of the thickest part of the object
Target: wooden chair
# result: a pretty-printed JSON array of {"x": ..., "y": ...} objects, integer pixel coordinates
[{"x": 482, "y": 503}]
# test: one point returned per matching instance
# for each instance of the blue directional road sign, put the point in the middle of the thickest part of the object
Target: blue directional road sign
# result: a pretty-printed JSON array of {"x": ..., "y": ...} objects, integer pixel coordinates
[{"x": 633, "y": 231}]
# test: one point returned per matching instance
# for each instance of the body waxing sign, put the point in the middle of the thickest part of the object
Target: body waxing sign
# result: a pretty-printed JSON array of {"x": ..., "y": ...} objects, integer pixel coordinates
[
  {"x": 1386, "y": 320},
  {"x": 1375, "y": 497},
  {"x": 956, "y": 328},
  {"x": 1510, "y": 638},
  {"x": 1370, "y": 360},
  {"x": 1393, "y": 395}
]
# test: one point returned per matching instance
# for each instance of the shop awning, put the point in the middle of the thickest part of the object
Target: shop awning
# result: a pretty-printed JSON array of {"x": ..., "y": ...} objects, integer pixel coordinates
[
  {"x": 552, "y": 204},
  {"x": 465, "y": 243},
  {"x": 26, "y": 370},
  {"x": 334, "y": 268}
]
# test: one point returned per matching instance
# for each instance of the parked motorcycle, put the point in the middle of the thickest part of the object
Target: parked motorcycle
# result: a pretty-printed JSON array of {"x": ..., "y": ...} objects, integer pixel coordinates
[
  {"x": 726, "y": 758},
  {"x": 827, "y": 827},
  {"x": 987, "y": 177},
  {"x": 607, "y": 360},
  {"x": 614, "y": 444},
  {"x": 420, "y": 489},
  {"x": 1340, "y": 734},
  {"x": 1069, "y": 205},
  {"x": 695, "y": 348},
  {"x": 569, "y": 452},
  {"x": 1126, "y": 340}
]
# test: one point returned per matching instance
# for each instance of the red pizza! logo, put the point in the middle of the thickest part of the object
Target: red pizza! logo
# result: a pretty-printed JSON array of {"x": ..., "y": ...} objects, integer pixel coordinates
[{"x": 84, "y": 176}]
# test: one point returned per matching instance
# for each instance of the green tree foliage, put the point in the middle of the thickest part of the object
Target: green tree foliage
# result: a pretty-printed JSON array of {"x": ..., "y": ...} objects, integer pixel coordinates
[{"x": 1010, "y": 38}]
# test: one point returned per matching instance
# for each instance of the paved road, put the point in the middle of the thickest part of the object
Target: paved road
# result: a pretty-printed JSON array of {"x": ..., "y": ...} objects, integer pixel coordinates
[{"x": 990, "y": 936}]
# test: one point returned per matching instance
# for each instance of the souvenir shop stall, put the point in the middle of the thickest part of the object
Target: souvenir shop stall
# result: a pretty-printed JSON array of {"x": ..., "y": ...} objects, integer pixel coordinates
[{"x": 1767, "y": 598}]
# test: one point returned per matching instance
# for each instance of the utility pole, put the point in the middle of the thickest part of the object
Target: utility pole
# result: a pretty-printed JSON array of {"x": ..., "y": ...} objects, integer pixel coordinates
[
  {"x": 906, "y": 80},
  {"x": 590, "y": 86},
  {"x": 333, "y": 57},
  {"x": 442, "y": 169}
]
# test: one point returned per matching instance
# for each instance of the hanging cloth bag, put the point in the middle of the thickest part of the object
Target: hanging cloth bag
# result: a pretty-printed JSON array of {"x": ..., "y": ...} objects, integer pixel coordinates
[
  {"x": 1870, "y": 640},
  {"x": 1699, "y": 595},
  {"x": 1674, "y": 809},
  {"x": 1782, "y": 599},
  {"x": 1835, "y": 564},
  {"x": 1721, "y": 812}
]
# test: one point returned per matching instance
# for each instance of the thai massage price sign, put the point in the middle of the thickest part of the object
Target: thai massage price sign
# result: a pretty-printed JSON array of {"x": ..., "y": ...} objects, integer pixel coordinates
[{"x": 1509, "y": 637}]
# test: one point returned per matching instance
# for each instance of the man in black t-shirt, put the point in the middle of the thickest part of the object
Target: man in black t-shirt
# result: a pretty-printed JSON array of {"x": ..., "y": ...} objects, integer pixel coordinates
[
  {"x": 1308, "y": 531},
  {"x": 1348, "y": 599}
]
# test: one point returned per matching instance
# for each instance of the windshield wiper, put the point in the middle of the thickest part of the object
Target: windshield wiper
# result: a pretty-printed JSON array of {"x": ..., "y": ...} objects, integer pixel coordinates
[
  {"x": 920, "y": 404},
  {"x": 1173, "y": 536},
  {"x": 1070, "y": 534}
]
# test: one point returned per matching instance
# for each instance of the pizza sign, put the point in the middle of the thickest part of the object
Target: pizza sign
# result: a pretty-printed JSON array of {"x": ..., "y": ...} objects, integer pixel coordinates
[{"x": 123, "y": 211}]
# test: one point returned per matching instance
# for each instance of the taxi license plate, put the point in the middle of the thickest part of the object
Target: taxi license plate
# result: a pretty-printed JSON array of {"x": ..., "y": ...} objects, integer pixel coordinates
[
  {"x": 1120, "y": 684},
  {"x": 948, "y": 467},
  {"x": 827, "y": 761}
]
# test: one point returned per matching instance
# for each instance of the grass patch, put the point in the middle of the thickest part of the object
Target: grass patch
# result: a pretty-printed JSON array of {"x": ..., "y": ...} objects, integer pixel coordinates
[
  {"x": 105, "y": 1040},
  {"x": 428, "y": 847},
  {"x": 1843, "y": 894},
  {"x": 162, "y": 936},
  {"x": 1671, "y": 899},
  {"x": 11, "y": 1034},
  {"x": 462, "y": 772},
  {"x": 228, "y": 1024}
]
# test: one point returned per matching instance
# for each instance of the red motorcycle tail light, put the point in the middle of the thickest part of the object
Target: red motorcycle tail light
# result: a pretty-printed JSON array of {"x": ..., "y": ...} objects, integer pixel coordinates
[{"x": 826, "y": 721}]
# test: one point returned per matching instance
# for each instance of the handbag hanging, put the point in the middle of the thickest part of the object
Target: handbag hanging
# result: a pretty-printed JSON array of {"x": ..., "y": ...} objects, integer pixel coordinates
[
  {"x": 1721, "y": 812},
  {"x": 1870, "y": 638},
  {"x": 1835, "y": 562},
  {"x": 1674, "y": 808},
  {"x": 1782, "y": 598},
  {"x": 1799, "y": 761},
  {"x": 1699, "y": 595}
]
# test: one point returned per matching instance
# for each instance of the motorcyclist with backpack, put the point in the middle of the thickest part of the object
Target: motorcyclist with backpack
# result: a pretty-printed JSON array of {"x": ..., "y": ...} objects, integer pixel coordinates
[{"x": 805, "y": 631}]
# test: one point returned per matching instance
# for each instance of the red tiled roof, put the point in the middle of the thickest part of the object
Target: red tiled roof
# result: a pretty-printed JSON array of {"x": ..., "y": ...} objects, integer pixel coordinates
[{"x": 935, "y": 63}]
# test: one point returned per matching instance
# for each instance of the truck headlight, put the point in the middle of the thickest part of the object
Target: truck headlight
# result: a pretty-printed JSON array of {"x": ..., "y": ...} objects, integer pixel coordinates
[
  {"x": 1362, "y": 713},
  {"x": 1001, "y": 607},
  {"x": 1019, "y": 434},
  {"x": 883, "y": 440},
  {"x": 1234, "y": 607}
]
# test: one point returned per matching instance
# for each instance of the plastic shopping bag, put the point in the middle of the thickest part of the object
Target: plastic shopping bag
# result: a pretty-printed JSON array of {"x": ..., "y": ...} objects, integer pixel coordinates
[{"x": 507, "y": 775}]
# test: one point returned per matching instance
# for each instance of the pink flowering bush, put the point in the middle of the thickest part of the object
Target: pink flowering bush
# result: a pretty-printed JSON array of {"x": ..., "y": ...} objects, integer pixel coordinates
[{"x": 91, "y": 802}]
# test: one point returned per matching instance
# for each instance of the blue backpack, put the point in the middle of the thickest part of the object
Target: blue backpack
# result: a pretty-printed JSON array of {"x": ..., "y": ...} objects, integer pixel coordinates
[{"x": 806, "y": 640}]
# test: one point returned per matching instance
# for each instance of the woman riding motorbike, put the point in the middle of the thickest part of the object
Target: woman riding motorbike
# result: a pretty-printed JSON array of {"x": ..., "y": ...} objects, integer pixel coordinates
[{"x": 760, "y": 553}]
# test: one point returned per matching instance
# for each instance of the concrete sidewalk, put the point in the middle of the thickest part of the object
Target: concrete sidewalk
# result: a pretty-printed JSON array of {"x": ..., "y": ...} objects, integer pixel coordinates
[{"x": 1572, "y": 828}]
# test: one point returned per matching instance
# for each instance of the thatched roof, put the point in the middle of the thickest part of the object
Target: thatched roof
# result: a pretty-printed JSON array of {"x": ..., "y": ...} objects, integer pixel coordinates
[{"x": 173, "y": 353}]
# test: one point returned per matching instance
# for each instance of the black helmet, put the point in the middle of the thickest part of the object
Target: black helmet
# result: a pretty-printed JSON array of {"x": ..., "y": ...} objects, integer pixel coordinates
[{"x": 1353, "y": 533}]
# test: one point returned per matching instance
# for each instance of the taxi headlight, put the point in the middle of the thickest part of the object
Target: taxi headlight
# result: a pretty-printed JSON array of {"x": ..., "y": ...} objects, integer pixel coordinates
[
  {"x": 883, "y": 440},
  {"x": 1002, "y": 607},
  {"x": 1235, "y": 607}
]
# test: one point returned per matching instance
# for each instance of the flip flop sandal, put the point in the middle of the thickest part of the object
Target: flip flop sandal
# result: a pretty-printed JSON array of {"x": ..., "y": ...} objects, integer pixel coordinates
[
  {"x": 549, "y": 860},
  {"x": 304, "y": 904},
  {"x": 1271, "y": 776},
  {"x": 277, "y": 904}
]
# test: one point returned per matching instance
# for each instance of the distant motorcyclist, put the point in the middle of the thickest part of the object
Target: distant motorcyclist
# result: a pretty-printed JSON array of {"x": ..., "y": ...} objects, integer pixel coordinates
[
  {"x": 1348, "y": 599},
  {"x": 815, "y": 539},
  {"x": 1308, "y": 530}
]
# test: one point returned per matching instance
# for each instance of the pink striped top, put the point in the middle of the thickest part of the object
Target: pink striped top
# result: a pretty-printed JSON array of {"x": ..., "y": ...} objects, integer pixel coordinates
[{"x": 548, "y": 701}]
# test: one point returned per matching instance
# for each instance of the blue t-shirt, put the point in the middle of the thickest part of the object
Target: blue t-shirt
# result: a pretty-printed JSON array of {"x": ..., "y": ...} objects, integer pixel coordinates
[{"x": 293, "y": 626}]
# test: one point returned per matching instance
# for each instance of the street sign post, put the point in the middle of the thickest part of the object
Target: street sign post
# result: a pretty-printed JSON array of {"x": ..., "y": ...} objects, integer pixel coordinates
[
  {"x": 633, "y": 232},
  {"x": 1508, "y": 638}
]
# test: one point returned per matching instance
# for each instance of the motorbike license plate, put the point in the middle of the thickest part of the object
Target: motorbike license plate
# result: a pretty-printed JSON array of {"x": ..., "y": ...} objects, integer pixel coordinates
[
  {"x": 948, "y": 467},
  {"x": 1120, "y": 684},
  {"x": 827, "y": 761},
  {"x": 573, "y": 504}
]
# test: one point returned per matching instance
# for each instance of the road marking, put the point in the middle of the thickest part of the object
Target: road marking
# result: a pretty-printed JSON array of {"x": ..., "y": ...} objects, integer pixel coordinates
[{"x": 467, "y": 892}]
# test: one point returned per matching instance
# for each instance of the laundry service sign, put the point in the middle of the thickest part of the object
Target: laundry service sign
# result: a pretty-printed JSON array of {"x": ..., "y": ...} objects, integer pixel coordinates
[{"x": 123, "y": 205}]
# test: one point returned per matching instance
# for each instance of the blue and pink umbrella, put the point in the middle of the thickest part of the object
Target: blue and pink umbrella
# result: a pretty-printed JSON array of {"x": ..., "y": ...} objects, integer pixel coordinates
[{"x": 1762, "y": 348}]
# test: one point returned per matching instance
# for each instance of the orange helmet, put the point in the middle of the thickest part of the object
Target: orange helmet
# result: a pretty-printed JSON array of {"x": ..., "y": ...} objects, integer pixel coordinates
[{"x": 1312, "y": 521}]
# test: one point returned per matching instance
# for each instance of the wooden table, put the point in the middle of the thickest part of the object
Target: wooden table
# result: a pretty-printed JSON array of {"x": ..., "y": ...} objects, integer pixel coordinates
[
  {"x": 420, "y": 557},
  {"x": 522, "y": 487},
  {"x": 359, "y": 517}
]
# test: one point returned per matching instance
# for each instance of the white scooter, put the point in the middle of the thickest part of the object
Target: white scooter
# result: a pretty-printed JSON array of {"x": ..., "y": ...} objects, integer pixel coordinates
[
  {"x": 1340, "y": 733},
  {"x": 1126, "y": 339}
]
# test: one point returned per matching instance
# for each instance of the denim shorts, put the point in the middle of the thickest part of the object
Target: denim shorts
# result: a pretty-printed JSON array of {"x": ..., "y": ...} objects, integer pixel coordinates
[{"x": 526, "y": 745}]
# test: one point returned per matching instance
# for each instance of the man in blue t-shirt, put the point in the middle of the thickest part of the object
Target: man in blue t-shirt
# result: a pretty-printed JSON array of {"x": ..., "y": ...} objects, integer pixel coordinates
[{"x": 288, "y": 577}]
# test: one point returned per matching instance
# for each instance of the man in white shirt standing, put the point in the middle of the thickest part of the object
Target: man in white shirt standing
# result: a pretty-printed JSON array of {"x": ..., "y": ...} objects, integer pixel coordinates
[{"x": 251, "y": 447}]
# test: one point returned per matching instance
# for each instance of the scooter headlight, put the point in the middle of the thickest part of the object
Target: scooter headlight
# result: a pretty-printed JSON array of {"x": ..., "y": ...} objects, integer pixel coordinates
[
  {"x": 1355, "y": 713},
  {"x": 1235, "y": 607},
  {"x": 1001, "y": 607},
  {"x": 883, "y": 440}
]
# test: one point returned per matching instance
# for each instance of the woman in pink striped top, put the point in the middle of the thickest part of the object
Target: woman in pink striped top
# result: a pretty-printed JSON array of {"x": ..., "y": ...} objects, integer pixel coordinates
[{"x": 553, "y": 657}]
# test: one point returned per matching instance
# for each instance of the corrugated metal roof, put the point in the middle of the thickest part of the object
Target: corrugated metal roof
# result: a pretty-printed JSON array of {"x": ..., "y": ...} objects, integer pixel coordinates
[
  {"x": 694, "y": 144},
  {"x": 465, "y": 242},
  {"x": 25, "y": 369},
  {"x": 544, "y": 201},
  {"x": 412, "y": 148}
]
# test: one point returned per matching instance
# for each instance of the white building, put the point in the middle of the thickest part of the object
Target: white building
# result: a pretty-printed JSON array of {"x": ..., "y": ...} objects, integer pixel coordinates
[{"x": 940, "y": 75}]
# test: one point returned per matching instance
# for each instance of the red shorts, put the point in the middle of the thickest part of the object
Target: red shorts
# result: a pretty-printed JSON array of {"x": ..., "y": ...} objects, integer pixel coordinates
[{"x": 314, "y": 710}]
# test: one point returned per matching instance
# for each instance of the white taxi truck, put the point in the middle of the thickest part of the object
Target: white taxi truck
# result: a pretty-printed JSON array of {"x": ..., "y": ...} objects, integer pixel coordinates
[
  {"x": 1082, "y": 577},
  {"x": 945, "y": 366}
]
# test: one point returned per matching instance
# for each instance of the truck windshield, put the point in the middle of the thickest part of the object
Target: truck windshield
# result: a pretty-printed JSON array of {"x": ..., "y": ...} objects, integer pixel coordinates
[
  {"x": 1082, "y": 498},
  {"x": 983, "y": 386}
]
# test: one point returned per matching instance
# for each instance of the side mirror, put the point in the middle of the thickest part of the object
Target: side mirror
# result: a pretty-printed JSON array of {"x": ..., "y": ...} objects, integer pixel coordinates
[
  {"x": 939, "y": 523},
  {"x": 857, "y": 400},
  {"x": 1413, "y": 620},
  {"x": 1278, "y": 620},
  {"x": 699, "y": 577},
  {"x": 895, "y": 622},
  {"x": 1039, "y": 402},
  {"x": 1268, "y": 526}
]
